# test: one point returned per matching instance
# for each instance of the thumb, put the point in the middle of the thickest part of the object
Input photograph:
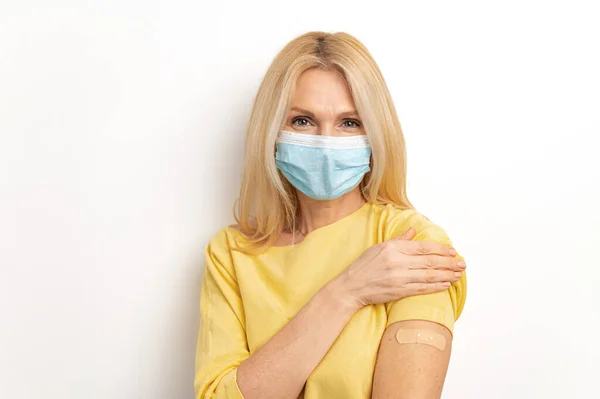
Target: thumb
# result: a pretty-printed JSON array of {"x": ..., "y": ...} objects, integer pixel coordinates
[{"x": 408, "y": 234}]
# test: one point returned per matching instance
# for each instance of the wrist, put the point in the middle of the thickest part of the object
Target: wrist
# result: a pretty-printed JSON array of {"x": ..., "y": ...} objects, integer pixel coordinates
[{"x": 337, "y": 291}]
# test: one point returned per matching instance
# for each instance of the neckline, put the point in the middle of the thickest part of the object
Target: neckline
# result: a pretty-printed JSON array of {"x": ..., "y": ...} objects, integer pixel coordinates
[{"x": 312, "y": 234}]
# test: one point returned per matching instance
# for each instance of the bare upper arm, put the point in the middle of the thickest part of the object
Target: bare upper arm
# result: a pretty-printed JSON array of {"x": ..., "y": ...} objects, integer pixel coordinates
[{"x": 411, "y": 370}]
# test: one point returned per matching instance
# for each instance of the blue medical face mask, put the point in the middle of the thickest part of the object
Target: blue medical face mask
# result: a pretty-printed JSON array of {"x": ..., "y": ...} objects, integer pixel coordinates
[{"x": 322, "y": 167}]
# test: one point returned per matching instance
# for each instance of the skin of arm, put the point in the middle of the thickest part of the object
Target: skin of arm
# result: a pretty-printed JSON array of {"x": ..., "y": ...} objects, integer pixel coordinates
[
  {"x": 280, "y": 368},
  {"x": 298, "y": 347},
  {"x": 411, "y": 371}
]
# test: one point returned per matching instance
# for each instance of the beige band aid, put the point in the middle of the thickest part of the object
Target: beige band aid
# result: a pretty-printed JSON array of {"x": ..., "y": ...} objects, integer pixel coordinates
[{"x": 405, "y": 336}]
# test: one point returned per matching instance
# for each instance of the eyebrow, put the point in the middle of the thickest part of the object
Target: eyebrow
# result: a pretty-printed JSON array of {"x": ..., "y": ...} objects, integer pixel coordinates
[{"x": 345, "y": 114}]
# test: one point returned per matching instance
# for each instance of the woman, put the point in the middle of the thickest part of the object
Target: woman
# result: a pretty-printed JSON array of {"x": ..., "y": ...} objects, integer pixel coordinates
[{"x": 332, "y": 285}]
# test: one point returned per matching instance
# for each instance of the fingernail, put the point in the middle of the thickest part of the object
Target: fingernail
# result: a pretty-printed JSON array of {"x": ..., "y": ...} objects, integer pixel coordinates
[
  {"x": 446, "y": 284},
  {"x": 452, "y": 252},
  {"x": 462, "y": 264},
  {"x": 457, "y": 274}
]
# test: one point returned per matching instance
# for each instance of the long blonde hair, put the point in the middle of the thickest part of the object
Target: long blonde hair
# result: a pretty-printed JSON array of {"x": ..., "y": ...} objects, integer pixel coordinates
[{"x": 268, "y": 205}]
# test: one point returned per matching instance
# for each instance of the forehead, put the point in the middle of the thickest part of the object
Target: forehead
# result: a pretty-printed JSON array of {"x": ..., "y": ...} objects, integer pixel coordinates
[{"x": 317, "y": 88}]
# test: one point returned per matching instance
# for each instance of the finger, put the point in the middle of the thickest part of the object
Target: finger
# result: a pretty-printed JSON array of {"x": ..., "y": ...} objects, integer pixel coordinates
[
  {"x": 421, "y": 247},
  {"x": 408, "y": 234},
  {"x": 433, "y": 276},
  {"x": 436, "y": 262},
  {"x": 424, "y": 288}
]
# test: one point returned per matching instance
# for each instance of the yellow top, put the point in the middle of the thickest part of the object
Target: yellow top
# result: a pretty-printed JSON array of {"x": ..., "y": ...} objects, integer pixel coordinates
[{"x": 246, "y": 299}]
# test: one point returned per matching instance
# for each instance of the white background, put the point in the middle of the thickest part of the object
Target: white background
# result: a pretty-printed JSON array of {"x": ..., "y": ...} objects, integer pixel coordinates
[{"x": 121, "y": 134}]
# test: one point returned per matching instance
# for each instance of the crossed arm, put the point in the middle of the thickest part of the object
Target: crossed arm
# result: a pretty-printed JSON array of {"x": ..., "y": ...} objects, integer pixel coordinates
[
  {"x": 402, "y": 370},
  {"x": 414, "y": 370}
]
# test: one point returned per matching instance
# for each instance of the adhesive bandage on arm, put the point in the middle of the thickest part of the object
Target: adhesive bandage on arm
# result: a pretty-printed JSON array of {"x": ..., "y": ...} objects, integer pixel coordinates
[{"x": 421, "y": 336}]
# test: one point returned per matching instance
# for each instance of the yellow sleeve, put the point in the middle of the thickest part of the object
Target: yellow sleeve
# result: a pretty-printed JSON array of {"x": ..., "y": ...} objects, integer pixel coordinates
[
  {"x": 441, "y": 307},
  {"x": 222, "y": 344}
]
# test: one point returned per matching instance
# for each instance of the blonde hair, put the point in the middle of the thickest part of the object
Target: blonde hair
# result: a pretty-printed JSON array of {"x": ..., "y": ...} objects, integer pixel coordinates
[{"x": 268, "y": 205}]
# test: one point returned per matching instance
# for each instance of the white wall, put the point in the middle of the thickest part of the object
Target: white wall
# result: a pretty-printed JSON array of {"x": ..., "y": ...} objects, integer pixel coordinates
[{"x": 121, "y": 130}]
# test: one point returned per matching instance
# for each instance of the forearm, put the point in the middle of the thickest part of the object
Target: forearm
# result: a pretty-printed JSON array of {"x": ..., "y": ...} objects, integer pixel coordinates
[{"x": 280, "y": 368}]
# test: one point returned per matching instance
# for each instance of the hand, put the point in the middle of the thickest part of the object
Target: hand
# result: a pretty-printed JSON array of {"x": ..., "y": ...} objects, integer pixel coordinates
[{"x": 399, "y": 268}]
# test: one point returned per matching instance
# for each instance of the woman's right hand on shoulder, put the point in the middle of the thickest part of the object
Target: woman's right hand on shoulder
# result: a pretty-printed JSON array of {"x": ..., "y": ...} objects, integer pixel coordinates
[{"x": 399, "y": 268}]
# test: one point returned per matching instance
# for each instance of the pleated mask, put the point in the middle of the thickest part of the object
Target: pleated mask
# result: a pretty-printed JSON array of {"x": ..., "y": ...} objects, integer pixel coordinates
[{"x": 322, "y": 167}]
